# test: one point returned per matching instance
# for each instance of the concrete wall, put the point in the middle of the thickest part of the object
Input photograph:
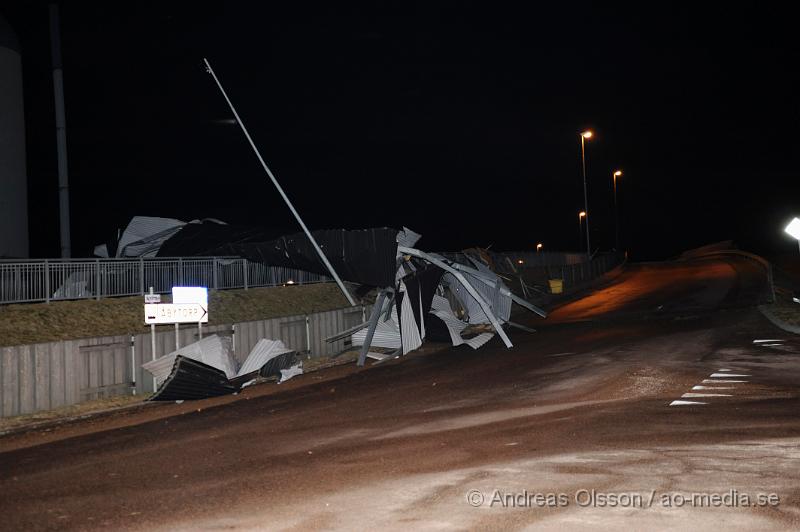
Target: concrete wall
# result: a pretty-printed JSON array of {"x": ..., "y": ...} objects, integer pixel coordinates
[{"x": 51, "y": 375}]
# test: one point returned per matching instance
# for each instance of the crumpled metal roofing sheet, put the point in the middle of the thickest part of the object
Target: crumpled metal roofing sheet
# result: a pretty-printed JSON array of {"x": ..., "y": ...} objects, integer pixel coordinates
[
  {"x": 410, "y": 334},
  {"x": 387, "y": 333},
  {"x": 262, "y": 352},
  {"x": 190, "y": 379},
  {"x": 441, "y": 309},
  {"x": 139, "y": 230},
  {"x": 213, "y": 350},
  {"x": 364, "y": 256}
]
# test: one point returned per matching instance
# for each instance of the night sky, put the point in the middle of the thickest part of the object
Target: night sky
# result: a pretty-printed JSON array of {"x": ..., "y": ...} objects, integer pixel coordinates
[{"x": 460, "y": 121}]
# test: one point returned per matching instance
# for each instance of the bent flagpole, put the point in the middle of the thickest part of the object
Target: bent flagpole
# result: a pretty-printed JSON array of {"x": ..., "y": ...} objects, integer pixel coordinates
[{"x": 280, "y": 190}]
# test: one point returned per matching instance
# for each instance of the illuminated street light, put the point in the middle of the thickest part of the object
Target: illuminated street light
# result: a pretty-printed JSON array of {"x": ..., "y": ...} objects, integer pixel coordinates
[
  {"x": 580, "y": 227},
  {"x": 538, "y": 247},
  {"x": 585, "y": 135},
  {"x": 794, "y": 230},
  {"x": 614, "y": 176}
]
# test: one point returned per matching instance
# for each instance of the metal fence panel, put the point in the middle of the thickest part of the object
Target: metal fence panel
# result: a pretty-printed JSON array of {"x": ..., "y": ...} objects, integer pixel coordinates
[{"x": 63, "y": 279}]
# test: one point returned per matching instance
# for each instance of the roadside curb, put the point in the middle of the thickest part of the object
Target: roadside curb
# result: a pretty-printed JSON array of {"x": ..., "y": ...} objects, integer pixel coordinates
[{"x": 777, "y": 322}]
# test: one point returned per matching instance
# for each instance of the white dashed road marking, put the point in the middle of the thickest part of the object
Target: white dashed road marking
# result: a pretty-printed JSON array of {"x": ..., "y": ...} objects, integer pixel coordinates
[
  {"x": 770, "y": 340},
  {"x": 721, "y": 376}
]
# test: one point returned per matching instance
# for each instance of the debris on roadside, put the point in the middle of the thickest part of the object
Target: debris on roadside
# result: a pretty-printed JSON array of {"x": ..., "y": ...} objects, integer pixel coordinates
[{"x": 207, "y": 369}]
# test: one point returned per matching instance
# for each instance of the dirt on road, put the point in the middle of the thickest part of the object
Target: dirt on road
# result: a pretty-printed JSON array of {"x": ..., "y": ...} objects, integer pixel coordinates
[{"x": 616, "y": 414}]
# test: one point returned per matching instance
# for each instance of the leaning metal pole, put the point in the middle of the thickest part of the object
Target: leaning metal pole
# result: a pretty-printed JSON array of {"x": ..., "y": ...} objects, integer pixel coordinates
[{"x": 280, "y": 190}]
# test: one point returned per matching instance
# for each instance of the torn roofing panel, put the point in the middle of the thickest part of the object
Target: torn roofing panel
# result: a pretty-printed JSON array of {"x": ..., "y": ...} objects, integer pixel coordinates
[
  {"x": 387, "y": 331},
  {"x": 407, "y": 237},
  {"x": 213, "y": 350},
  {"x": 364, "y": 256},
  {"x": 410, "y": 330},
  {"x": 262, "y": 352},
  {"x": 421, "y": 287},
  {"x": 142, "y": 228},
  {"x": 190, "y": 379}
]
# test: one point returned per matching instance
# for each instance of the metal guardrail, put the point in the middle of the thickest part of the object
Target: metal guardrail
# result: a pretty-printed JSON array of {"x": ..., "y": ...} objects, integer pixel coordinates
[
  {"x": 63, "y": 279},
  {"x": 46, "y": 280}
]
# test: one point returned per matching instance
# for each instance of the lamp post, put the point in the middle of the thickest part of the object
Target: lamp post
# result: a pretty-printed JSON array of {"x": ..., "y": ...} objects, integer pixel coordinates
[
  {"x": 585, "y": 135},
  {"x": 580, "y": 228},
  {"x": 538, "y": 247},
  {"x": 614, "y": 176}
]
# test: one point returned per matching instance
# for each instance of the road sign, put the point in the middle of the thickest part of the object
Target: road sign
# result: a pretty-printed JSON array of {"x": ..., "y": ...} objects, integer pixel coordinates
[
  {"x": 152, "y": 298},
  {"x": 175, "y": 313}
]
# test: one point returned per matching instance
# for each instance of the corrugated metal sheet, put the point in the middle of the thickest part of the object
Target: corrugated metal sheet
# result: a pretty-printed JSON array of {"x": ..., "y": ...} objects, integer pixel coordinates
[
  {"x": 441, "y": 309},
  {"x": 190, "y": 379},
  {"x": 480, "y": 340},
  {"x": 263, "y": 351},
  {"x": 213, "y": 351},
  {"x": 387, "y": 332},
  {"x": 409, "y": 329},
  {"x": 364, "y": 256},
  {"x": 145, "y": 234},
  {"x": 407, "y": 237}
]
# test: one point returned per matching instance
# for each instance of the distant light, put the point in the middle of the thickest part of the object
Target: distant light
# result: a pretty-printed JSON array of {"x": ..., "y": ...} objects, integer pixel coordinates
[
  {"x": 582, "y": 214},
  {"x": 618, "y": 173},
  {"x": 538, "y": 246},
  {"x": 520, "y": 261},
  {"x": 289, "y": 282},
  {"x": 794, "y": 228},
  {"x": 587, "y": 134}
]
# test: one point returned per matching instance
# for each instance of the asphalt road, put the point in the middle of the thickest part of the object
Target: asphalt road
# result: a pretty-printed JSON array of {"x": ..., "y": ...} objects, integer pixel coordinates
[{"x": 573, "y": 428}]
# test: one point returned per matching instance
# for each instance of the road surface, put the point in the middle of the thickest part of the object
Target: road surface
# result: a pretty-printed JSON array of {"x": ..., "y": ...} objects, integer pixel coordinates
[{"x": 576, "y": 427}]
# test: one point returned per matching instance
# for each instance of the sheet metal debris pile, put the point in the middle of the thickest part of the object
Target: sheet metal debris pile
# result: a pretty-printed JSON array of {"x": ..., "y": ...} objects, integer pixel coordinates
[
  {"x": 420, "y": 295},
  {"x": 435, "y": 297},
  {"x": 207, "y": 368}
]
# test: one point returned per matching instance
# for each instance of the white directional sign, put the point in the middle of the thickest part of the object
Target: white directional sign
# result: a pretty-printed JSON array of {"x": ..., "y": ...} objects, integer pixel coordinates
[
  {"x": 152, "y": 298},
  {"x": 175, "y": 313}
]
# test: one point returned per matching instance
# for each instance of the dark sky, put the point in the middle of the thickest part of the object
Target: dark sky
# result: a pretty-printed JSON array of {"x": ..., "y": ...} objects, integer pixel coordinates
[{"x": 458, "y": 120}]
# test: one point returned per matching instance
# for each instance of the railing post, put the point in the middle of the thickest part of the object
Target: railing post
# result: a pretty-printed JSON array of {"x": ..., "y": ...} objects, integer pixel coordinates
[
  {"x": 180, "y": 271},
  {"x": 244, "y": 272},
  {"x": 141, "y": 275},
  {"x": 214, "y": 265},
  {"x": 47, "y": 281},
  {"x": 97, "y": 279}
]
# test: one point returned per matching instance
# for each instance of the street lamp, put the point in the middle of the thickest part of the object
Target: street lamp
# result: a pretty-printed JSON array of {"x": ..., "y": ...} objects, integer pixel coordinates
[
  {"x": 585, "y": 135},
  {"x": 614, "y": 176},
  {"x": 580, "y": 227},
  {"x": 794, "y": 229},
  {"x": 538, "y": 247}
]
